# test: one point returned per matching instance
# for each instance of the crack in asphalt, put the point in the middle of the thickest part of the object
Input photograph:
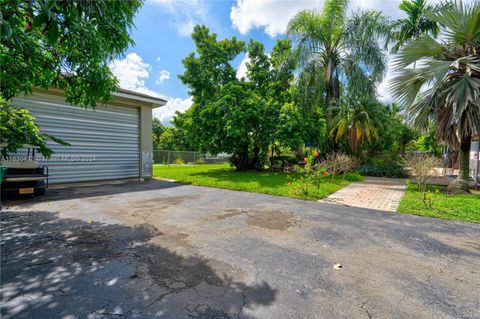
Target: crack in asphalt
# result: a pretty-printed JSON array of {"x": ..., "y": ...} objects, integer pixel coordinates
[{"x": 362, "y": 306}]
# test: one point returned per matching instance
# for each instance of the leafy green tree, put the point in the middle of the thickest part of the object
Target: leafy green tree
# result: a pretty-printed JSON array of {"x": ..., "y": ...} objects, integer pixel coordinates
[
  {"x": 336, "y": 52},
  {"x": 415, "y": 24},
  {"x": 63, "y": 44},
  {"x": 59, "y": 44},
  {"x": 397, "y": 134},
  {"x": 239, "y": 117},
  {"x": 445, "y": 85},
  {"x": 167, "y": 140},
  {"x": 18, "y": 127},
  {"x": 173, "y": 138},
  {"x": 428, "y": 142},
  {"x": 157, "y": 130}
]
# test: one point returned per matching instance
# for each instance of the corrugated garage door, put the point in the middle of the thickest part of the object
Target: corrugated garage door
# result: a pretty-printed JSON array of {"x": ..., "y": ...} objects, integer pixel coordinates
[{"x": 104, "y": 142}]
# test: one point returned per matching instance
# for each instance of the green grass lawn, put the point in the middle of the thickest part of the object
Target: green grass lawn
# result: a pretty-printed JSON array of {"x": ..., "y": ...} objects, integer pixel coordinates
[
  {"x": 459, "y": 207},
  {"x": 273, "y": 183}
]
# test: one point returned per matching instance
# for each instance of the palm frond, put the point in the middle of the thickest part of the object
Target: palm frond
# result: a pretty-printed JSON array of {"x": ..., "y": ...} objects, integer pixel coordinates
[
  {"x": 334, "y": 15},
  {"x": 406, "y": 85},
  {"x": 461, "y": 22},
  {"x": 423, "y": 47}
]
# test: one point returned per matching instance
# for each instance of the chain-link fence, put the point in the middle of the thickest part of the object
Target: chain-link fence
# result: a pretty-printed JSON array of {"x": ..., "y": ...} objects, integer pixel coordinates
[{"x": 166, "y": 157}]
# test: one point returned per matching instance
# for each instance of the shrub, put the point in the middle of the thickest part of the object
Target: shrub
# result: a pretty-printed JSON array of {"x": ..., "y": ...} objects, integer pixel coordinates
[
  {"x": 422, "y": 167},
  {"x": 300, "y": 185},
  {"x": 353, "y": 177},
  {"x": 337, "y": 163},
  {"x": 179, "y": 161},
  {"x": 386, "y": 165}
]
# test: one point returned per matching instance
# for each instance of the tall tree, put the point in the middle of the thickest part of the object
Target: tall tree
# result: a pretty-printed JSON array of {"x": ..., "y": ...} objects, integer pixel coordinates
[
  {"x": 239, "y": 117},
  {"x": 445, "y": 86},
  {"x": 63, "y": 44},
  {"x": 344, "y": 50},
  {"x": 415, "y": 24}
]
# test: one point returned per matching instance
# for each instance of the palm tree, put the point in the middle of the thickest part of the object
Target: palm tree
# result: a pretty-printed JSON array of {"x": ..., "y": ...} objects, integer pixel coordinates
[
  {"x": 359, "y": 121},
  {"x": 344, "y": 50},
  {"x": 445, "y": 86},
  {"x": 415, "y": 24}
]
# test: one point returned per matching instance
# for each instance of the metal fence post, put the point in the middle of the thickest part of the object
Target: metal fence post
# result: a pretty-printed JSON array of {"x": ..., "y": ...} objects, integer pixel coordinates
[{"x": 168, "y": 159}]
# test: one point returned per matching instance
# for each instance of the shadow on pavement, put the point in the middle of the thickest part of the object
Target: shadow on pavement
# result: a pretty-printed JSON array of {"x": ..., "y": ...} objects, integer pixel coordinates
[
  {"x": 68, "y": 268},
  {"x": 84, "y": 191}
]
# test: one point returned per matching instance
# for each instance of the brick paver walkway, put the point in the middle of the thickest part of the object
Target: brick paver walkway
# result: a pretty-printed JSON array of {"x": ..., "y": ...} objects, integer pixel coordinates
[{"x": 375, "y": 193}]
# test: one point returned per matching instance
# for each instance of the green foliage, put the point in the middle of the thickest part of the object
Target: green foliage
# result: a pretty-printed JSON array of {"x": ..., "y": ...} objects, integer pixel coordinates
[
  {"x": 65, "y": 45},
  {"x": 384, "y": 165},
  {"x": 337, "y": 53},
  {"x": 157, "y": 130},
  {"x": 359, "y": 121},
  {"x": 395, "y": 135},
  {"x": 18, "y": 127},
  {"x": 415, "y": 24},
  {"x": 295, "y": 128},
  {"x": 239, "y": 117},
  {"x": 450, "y": 73},
  {"x": 58, "y": 44},
  {"x": 170, "y": 138},
  {"x": 445, "y": 86},
  {"x": 179, "y": 161}
]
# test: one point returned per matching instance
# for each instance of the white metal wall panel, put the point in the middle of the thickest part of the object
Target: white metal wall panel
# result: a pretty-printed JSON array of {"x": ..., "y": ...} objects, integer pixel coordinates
[{"x": 104, "y": 143}]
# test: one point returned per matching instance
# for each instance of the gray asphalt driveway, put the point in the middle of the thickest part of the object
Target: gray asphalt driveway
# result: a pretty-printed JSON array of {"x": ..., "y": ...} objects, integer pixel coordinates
[{"x": 162, "y": 250}]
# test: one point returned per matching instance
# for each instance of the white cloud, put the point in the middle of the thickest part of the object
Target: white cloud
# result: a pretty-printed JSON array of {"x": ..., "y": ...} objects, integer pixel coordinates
[
  {"x": 163, "y": 75},
  {"x": 383, "y": 90},
  {"x": 185, "y": 14},
  {"x": 271, "y": 15},
  {"x": 185, "y": 28},
  {"x": 242, "y": 68},
  {"x": 166, "y": 113},
  {"x": 131, "y": 71}
]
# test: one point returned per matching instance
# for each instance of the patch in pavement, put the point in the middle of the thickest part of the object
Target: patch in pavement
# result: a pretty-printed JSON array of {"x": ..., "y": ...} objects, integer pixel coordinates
[{"x": 270, "y": 219}]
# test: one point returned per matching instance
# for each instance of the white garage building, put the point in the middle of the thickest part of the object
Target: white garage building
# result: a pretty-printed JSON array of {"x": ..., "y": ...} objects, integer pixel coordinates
[{"x": 113, "y": 141}]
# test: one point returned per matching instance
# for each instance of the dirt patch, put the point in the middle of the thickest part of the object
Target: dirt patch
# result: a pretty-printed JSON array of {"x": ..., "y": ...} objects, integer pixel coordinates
[
  {"x": 146, "y": 210},
  {"x": 270, "y": 219},
  {"x": 231, "y": 213}
]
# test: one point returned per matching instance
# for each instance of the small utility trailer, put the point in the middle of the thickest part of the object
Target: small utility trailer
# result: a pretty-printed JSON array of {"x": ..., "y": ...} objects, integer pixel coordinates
[{"x": 23, "y": 175}]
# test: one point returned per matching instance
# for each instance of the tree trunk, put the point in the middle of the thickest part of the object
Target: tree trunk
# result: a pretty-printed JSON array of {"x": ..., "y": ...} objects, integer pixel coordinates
[
  {"x": 461, "y": 185},
  {"x": 330, "y": 93},
  {"x": 256, "y": 158},
  {"x": 240, "y": 160}
]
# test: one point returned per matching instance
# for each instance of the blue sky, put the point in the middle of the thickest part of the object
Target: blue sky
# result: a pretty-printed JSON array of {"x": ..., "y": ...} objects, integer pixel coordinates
[{"x": 162, "y": 39}]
